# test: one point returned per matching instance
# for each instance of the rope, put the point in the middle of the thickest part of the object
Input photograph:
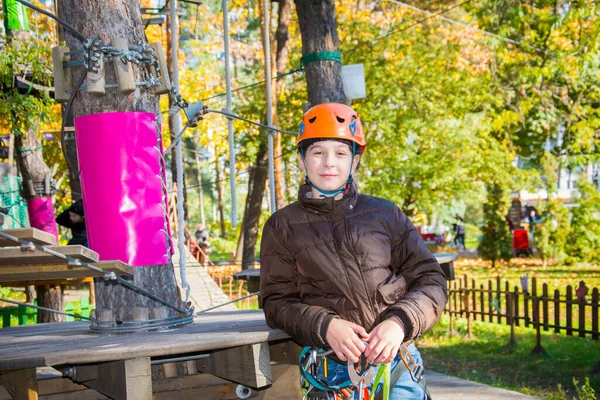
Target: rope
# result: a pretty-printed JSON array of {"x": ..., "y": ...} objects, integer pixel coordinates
[
  {"x": 229, "y": 302},
  {"x": 176, "y": 119},
  {"x": 18, "y": 303},
  {"x": 230, "y": 115},
  {"x": 229, "y": 120},
  {"x": 321, "y": 56},
  {"x": 268, "y": 87}
]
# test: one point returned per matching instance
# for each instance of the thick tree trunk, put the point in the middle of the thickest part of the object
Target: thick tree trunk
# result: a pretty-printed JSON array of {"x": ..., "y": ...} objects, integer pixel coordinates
[
  {"x": 37, "y": 183},
  {"x": 258, "y": 175},
  {"x": 257, "y": 182},
  {"x": 34, "y": 171},
  {"x": 219, "y": 194},
  {"x": 318, "y": 28},
  {"x": 50, "y": 296},
  {"x": 280, "y": 58},
  {"x": 114, "y": 20}
]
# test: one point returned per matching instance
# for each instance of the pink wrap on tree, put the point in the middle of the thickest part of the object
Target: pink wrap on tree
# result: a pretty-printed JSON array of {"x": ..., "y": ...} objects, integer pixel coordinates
[
  {"x": 41, "y": 215},
  {"x": 120, "y": 158}
]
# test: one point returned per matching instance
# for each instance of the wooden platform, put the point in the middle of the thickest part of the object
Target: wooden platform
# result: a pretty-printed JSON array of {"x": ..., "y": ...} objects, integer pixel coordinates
[
  {"x": 239, "y": 345},
  {"x": 24, "y": 266},
  {"x": 29, "y": 274},
  {"x": 30, "y": 234}
]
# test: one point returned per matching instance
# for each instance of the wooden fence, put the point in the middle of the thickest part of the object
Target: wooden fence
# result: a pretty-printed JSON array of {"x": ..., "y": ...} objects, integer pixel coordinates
[{"x": 574, "y": 312}]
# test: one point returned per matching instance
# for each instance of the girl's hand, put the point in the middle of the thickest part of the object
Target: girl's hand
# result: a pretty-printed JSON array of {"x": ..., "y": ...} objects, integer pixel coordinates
[
  {"x": 343, "y": 340},
  {"x": 384, "y": 341}
]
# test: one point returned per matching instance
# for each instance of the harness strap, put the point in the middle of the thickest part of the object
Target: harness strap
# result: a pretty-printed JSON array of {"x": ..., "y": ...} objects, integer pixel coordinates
[{"x": 416, "y": 372}]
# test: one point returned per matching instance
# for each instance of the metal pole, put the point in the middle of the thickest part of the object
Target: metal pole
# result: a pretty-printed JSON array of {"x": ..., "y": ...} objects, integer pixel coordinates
[
  {"x": 176, "y": 125},
  {"x": 268, "y": 83},
  {"x": 229, "y": 120}
]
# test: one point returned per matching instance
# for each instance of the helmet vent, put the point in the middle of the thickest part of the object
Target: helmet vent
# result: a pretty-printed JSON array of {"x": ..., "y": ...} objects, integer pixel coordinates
[
  {"x": 340, "y": 119},
  {"x": 312, "y": 119}
]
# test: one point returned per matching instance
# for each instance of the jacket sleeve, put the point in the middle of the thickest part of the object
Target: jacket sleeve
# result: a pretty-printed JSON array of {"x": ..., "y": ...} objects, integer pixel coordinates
[
  {"x": 281, "y": 296},
  {"x": 426, "y": 296}
]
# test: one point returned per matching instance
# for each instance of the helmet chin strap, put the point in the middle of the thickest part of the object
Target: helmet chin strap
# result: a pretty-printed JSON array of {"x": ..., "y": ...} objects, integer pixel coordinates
[{"x": 331, "y": 193}]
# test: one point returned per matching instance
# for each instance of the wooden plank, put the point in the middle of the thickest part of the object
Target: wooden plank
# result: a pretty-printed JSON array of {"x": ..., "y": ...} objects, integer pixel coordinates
[
  {"x": 71, "y": 343},
  {"x": 21, "y": 384},
  {"x": 120, "y": 380},
  {"x": 249, "y": 365},
  {"x": 12, "y": 256},
  {"x": 30, "y": 234},
  {"x": 29, "y": 274}
]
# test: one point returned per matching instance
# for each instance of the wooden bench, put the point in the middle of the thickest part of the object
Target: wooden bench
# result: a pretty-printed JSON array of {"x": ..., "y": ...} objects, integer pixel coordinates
[{"x": 222, "y": 351}]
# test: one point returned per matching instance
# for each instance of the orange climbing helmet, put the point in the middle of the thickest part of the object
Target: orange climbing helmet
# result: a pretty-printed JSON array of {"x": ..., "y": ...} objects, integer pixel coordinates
[{"x": 332, "y": 121}]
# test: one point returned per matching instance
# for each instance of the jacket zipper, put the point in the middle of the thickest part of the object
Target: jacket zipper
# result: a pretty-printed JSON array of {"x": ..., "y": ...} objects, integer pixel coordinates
[
  {"x": 348, "y": 239},
  {"x": 342, "y": 264}
]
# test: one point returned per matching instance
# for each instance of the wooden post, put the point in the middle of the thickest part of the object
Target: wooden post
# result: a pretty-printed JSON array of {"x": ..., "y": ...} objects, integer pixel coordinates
[
  {"x": 526, "y": 297},
  {"x": 569, "y": 304},
  {"x": 490, "y": 297},
  {"x": 517, "y": 305},
  {"x": 451, "y": 331},
  {"x": 510, "y": 316},
  {"x": 120, "y": 380},
  {"x": 248, "y": 365},
  {"x": 467, "y": 305},
  {"x": 481, "y": 303},
  {"x": 581, "y": 325},
  {"x": 545, "y": 306},
  {"x": 474, "y": 299},
  {"x": 556, "y": 311},
  {"x": 595, "y": 332},
  {"x": 499, "y": 318},
  {"x": 538, "y": 349},
  {"x": 22, "y": 384}
]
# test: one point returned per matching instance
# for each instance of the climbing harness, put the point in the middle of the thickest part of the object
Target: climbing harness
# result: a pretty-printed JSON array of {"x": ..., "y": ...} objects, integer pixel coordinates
[{"x": 363, "y": 382}]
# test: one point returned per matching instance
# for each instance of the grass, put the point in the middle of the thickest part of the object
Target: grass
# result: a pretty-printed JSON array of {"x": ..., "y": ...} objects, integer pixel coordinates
[{"x": 487, "y": 359}]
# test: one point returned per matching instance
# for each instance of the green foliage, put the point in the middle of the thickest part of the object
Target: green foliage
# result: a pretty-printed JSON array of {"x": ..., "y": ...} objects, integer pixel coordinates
[
  {"x": 583, "y": 240},
  {"x": 496, "y": 239},
  {"x": 584, "y": 392},
  {"x": 551, "y": 235},
  {"x": 32, "y": 59}
]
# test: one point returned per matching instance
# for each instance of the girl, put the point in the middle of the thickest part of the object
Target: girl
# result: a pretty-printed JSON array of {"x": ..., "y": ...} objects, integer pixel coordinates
[{"x": 344, "y": 270}]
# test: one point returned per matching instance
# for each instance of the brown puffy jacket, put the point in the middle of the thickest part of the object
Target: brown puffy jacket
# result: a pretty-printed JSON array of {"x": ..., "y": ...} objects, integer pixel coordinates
[{"x": 359, "y": 258}]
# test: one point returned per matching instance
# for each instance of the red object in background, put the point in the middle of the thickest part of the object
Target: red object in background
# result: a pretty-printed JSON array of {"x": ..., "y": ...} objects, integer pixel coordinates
[
  {"x": 428, "y": 236},
  {"x": 520, "y": 243}
]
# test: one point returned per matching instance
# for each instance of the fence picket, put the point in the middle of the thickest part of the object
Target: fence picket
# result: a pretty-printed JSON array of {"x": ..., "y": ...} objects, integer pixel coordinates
[
  {"x": 545, "y": 306},
  {"x": 569, "y": 305}
]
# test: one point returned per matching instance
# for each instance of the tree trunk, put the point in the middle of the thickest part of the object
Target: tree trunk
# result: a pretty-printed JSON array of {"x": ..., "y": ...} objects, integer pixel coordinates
[
  {"x": 118, "y": 20},
  {"x": 258, "y": 175},
  {"x": 50, "y": 296},
  {"x": 280, "y": 58},
  {"x": 37, "y": 182},
  {"x": 257, "y": 182},
  {"x": 318, "y": 28},
  {"x": 219, "y": 193},
  {"x": 200, "y": 189}
]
